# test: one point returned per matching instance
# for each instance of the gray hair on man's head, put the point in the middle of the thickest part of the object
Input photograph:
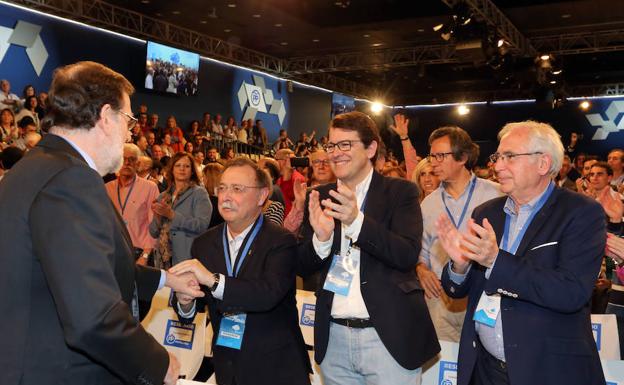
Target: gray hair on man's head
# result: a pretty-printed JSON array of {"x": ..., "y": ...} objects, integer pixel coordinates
[
  {"x": 542, "y": 138},
  {"x": 133, "y": 148}
]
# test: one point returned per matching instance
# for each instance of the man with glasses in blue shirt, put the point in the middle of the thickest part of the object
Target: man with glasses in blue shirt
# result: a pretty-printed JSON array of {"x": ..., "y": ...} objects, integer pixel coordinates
[
  {"x": 528, "y": 263},
  {"x": 363, "y": 234},
  {"x": 453, "y": 155}
]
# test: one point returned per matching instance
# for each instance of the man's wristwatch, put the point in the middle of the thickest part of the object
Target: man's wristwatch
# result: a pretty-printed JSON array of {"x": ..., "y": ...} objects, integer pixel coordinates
[
  {"x": 404, "y": 139},
  {"x": 216, "y": 278}
]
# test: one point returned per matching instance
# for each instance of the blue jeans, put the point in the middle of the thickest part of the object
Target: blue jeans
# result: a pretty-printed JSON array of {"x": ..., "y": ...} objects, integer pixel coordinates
[{"x": 358, "y": 357}]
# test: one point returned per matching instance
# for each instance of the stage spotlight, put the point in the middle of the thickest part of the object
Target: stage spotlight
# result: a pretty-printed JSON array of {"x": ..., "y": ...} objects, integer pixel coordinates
[
  {"x": 584, "y": 105},
  {"x": 462, "y": 110},
  {"x": 438, "y": 27},
  {"x": 545, "y": 57},
  {"x": 500, "y": 43},
  {"x": 376, "y": 107}
]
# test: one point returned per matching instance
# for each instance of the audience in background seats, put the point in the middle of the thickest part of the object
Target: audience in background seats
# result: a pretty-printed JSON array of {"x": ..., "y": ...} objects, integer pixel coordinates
[
  {"x": 212, "y": 173},
  {"x": 616, "y": 161},
  {"x": 29, "y": 110},
  {"x": 425, "y": 179},
  {"x": 144, "y": 167},
  {"x": 288, "y": 176},
  {"x": 176, "y": 134},
  {"x": 8, "y": 127},
  {"x": 26, "y": 125},
  {"x": 562, "y": 179},
  {"x": 8, "y": 99},
  {"x": 582, "y": 182},
  {"x": 181, "y": 212},
  {"x": 132, "y": 196}
]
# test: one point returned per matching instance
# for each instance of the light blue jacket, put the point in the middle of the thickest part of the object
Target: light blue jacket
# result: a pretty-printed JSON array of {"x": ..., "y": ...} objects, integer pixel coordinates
[{"x": 192, "y": 217}]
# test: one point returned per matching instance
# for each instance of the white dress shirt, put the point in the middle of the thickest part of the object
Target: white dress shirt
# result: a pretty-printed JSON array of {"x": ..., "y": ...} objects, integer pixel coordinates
[{"x": 351, "y": 305}]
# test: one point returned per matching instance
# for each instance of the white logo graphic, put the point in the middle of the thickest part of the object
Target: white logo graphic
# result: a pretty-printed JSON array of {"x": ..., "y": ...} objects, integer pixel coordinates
[
  {"x": 605, "y": 127},
  {"x": 254, "y": 98},
  {"x": 25, "y": 35}
]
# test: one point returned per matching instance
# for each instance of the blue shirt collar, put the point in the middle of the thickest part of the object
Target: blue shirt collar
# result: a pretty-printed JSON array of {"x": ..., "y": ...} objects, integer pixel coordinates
[
  {"x": 510, "y": 205},
  {"x": 86, "y": 156}
]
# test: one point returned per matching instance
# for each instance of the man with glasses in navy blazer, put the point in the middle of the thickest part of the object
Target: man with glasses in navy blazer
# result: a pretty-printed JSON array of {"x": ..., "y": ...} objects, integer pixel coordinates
[
  {"x": 527, "y": 263},
  {"x": 363, "y": 234}
]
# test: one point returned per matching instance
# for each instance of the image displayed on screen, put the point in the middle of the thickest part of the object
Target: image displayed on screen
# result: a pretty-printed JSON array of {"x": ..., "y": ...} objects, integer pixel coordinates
[
  {"x": 171, "y": 70},
  {"x": 342, "y": 103}
]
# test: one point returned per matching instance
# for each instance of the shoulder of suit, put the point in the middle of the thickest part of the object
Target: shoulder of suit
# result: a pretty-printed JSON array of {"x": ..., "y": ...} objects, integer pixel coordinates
[
  {"x": 215, "y": 232},
  {"x": 270, "y": 228},
  {"x": 495, "y": 204}
]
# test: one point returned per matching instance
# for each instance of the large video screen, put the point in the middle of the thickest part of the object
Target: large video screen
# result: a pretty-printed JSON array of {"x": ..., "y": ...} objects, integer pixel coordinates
[
  {"x": 171, "y": 70},
  {"x": 342, "y": 103}
]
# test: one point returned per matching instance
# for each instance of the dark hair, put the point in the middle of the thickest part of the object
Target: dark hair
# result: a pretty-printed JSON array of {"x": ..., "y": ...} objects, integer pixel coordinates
[
  {"x": 195, "y": 175},
  {"x": 27, "y": 101},
  {"x": 78, "y": 93},
  {"x": 261, "y": 177},
  {"x": 605, "y": 166},
  {"x": 361, "y": 123},
  {"x": 461, "y": 144},
  {"x": 25, "y": 121},
  {"x": 273, "y": 170},
  {"x": 10, "y": 156},
  {"x": 27, "y": 87}
]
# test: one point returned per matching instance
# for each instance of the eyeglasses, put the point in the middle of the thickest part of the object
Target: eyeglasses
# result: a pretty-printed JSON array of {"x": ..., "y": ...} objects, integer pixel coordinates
[
  {"x": 343, "y": 145},
  {"x": 507, "y": 157},
  {"x": 236, "y": 189},
  {"x": 318, "y": 162},
  {"x": 130, "y": 159},
  {"x": 131, "y": 121},
  {"x": 438, "y": 156}
]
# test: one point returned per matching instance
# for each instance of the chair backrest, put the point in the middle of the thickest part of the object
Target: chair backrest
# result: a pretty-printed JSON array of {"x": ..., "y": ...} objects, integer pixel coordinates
[
  {"x": 604, "y": 327},
  {"x": 186, "y": 342}
]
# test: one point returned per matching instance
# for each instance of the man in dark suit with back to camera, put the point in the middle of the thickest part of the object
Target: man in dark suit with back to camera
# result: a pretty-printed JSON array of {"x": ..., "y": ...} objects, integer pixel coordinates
[
  {"x": 69, "y": 284},
  {"x": 247, "y": 266},
  {"x": 527, "y": 263},
  {"x": 364, "y": 236}
]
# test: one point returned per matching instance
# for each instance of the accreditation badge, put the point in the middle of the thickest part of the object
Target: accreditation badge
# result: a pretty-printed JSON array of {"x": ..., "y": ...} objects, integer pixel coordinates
[
  {"x": 231, "y": 330},
  {"x": 487, "y": 309},
  {"x": 341, "y": 274}
]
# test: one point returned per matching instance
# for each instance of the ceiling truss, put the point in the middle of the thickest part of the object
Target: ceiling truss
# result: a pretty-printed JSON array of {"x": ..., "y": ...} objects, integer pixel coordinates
[{"x": 318, "y": 70}]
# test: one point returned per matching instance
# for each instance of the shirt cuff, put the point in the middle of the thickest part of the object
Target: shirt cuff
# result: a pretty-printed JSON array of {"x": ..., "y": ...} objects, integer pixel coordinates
[
  {"x": 353, "y": 230},
  {"x": 456, "y": 277},
  {"x": 163, "y": 279},
  {"x": 188, "y": 314},
  {"x": 322, "y": 248},
  {"x": 488, "y": 271},
  {"x": 218, "y": 293}
]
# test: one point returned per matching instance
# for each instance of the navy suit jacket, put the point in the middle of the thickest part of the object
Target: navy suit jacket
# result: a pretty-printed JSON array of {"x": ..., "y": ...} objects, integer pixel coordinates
[
  {"x": 69, "y": 277},
  {"x": 273, "y": 350},
  {"x": 389, "y": 242},
  {"x": 545, "y": 287}
]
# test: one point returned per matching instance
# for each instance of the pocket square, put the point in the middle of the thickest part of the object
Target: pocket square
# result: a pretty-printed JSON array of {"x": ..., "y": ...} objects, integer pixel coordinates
[{"x": 544, "y": 245}]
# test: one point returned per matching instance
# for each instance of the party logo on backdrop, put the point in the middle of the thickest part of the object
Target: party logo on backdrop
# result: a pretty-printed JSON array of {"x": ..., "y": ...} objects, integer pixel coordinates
[
  {"x": 254, "y": 98},
  {"x": 609, "y": 125},
  {"x": 26, "y": 35}
]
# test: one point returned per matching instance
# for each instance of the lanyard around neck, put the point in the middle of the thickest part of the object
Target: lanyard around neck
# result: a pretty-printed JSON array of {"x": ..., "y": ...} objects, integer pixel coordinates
[{"x": 242, "y": 251}]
